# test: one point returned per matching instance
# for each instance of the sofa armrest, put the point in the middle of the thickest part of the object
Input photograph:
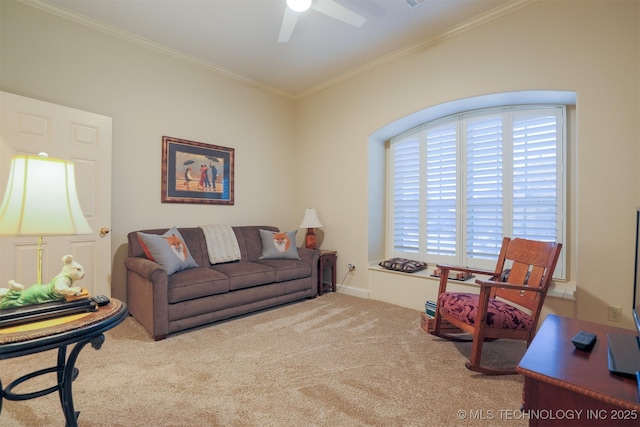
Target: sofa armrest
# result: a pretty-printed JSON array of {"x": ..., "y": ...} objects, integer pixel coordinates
[
  {"x": 147, "y": 269},
  {"x": 307, "y": 255},
  {"x": 312, "y": 257},
  {"x": 147, "y": 295}
]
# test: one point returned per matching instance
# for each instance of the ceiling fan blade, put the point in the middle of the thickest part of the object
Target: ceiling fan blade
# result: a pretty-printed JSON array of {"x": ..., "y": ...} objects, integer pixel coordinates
[
  {"x": 337, "y": 11},
  {"x": 288, "y": 24}
]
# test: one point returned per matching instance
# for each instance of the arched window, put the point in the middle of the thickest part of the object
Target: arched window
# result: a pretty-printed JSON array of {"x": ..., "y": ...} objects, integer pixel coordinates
[{"x": 458, "y": 184}]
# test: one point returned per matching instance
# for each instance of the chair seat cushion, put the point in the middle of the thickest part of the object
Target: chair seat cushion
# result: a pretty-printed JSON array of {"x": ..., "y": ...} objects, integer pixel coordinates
[{"x": 500, "y": 315}]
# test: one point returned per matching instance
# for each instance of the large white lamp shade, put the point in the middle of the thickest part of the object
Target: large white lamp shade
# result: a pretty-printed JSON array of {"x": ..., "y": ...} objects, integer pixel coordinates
[{"x": 41, "y": 200}]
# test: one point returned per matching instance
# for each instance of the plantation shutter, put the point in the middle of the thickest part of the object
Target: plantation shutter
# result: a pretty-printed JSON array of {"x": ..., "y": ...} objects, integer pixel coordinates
[
  {"x": 484, "y": 186},
  {"x": 462, "y": 183},
  {"x": 442, "y": 192},
  {"x": 535, "y": 172},
  {"x": 406, "y": 195}
]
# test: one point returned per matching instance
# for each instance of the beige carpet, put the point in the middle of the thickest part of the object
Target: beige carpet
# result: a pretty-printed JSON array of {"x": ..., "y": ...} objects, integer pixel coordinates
[{"x": 332, "y": 361}]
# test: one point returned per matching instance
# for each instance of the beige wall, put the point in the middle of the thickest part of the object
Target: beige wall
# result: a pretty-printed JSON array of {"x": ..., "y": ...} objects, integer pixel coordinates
[
  {"x": 315, "y": 152},
  {"x": 591, "y": 48},
  {"x": 149, "y": 95}
]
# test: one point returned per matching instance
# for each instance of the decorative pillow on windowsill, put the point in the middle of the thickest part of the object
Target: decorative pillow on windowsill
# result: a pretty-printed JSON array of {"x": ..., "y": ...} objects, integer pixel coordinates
[
  {"x": 403, "y": 264},
  {"x": 168, "y": 250}
]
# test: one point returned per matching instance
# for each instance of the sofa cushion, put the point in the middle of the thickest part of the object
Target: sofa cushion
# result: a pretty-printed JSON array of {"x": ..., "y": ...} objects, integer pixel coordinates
[
  {"x": 195, "y": 283},
  {"x": 245, "y": 274},
  {"x": 279, "y": 245},
  {"x": 169, "y": 250},
  {"x": 250, "y": 241},
  {"x": 288, "y": 269}
]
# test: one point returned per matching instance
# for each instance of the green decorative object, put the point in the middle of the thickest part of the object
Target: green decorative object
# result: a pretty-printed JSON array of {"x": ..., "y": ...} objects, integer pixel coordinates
[{"x": 59, "y": 288}]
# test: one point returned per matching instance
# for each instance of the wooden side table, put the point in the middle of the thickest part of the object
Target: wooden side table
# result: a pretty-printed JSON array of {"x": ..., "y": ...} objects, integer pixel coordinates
[
  {"x": 559, "y": 379},
  {"x": 327, "y": 260}
]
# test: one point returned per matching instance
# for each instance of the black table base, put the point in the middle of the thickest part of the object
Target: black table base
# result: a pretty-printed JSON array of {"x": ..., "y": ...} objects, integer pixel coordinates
[
  {"x": 69, "y": 332},
  {"x": 66, "y": 374}
]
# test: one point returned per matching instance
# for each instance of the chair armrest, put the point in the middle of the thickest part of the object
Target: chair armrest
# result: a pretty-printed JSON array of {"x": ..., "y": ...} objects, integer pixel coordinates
[{"x": 505, "y": 285}]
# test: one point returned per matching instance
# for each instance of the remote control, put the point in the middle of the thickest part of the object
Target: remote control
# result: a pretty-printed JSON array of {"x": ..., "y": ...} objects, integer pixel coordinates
[
  {"x": 101, "y": 300},
  {"x": 584, "y": 340}
]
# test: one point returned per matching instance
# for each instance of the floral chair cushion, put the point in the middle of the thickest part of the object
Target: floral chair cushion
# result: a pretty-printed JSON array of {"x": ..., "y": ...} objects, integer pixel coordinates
[{"x": 464, "y": 306}]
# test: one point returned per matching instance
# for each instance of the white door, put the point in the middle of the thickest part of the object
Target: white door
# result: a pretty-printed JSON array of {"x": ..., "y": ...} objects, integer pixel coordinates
[{"x": 29, "y": 126}]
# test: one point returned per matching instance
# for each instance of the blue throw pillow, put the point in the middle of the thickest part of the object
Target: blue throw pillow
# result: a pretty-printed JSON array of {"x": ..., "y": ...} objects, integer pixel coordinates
[
  {"x": 168, "y": 250},
  {"x": 279, "y": 245}
]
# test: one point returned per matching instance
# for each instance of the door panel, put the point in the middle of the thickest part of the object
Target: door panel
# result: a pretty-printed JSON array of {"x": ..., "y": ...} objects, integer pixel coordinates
[{"x": 29, "y": 126}]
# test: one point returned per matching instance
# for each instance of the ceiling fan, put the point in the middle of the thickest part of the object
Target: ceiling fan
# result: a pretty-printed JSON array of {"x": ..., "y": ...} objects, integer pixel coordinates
[{"x": 327, "y": 7}]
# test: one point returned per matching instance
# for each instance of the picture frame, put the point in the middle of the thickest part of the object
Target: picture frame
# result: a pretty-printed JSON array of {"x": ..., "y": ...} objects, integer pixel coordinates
[{"x": 196, "y": 172}]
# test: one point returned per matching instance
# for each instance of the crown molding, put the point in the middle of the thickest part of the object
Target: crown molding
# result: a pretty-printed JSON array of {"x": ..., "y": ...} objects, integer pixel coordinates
[
  {"x": 148, "y": 44},
  {"x": 420, "y": 46},
  {"x": 393, "y": 56}
]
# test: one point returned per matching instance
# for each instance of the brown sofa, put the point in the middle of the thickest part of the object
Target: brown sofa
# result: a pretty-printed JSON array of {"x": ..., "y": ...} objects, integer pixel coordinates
[{"x": 165, "y": 304}]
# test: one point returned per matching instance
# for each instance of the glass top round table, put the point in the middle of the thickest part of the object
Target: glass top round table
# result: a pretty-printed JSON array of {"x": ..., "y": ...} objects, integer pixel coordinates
[{"x": 58, "y": 333}]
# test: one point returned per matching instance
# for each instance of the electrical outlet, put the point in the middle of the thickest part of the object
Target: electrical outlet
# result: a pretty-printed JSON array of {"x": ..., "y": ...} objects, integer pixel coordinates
[
  {"x": 615, "y": 313},
  {"x": 351, "y": 267}
]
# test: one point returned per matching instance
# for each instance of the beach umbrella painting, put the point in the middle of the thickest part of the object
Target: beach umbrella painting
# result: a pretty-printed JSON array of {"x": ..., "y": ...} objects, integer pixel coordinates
[{"x": 188, "y": 162}]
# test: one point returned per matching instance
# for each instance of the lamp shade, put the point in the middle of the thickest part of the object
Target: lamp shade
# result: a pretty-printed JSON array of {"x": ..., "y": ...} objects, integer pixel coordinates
[
  {"x": 310, "y": 219},
  {"x": 41, "y": 199}
]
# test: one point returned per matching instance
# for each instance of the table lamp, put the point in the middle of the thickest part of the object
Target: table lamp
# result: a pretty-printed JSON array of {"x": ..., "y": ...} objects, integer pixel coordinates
[
  {"x": 41, "y": 200},
  {"x": 310, "y": 221}
]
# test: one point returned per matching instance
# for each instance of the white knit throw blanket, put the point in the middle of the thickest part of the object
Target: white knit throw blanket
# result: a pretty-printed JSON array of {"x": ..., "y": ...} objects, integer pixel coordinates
[{"x": 222, "y": 243}]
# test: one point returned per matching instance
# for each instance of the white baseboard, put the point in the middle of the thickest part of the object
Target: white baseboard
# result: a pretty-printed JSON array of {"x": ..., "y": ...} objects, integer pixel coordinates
[{"x": 355, "y": 292}]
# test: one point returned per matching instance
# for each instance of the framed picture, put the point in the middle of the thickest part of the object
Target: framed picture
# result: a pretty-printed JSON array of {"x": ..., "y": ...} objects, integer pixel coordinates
[{"x": 195, "y": 172}]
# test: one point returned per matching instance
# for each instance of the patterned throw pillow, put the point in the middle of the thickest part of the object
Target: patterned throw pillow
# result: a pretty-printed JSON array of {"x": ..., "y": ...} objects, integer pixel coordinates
[
  {"x": 168, "y": 250},
  {"x": 403, "y": 264},
  {"x": 279, "y": 245}
]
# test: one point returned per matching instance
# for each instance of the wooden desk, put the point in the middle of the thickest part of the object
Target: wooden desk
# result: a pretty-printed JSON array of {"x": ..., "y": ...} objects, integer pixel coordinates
[
  {"x": 569, "y": 387},
  {"x": 58, "y": 333}
]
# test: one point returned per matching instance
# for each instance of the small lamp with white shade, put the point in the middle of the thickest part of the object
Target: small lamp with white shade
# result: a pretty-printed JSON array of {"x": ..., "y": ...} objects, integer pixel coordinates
[{"x": 310, "y": 221}]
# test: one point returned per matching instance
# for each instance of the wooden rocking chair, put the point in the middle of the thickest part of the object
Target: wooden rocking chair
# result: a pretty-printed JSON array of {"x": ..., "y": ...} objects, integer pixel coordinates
[{"x": 496, "y": 312}]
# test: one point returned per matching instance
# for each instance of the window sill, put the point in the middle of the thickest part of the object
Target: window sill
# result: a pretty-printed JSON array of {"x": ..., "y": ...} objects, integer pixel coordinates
[{"x": 559, "y": 290}]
